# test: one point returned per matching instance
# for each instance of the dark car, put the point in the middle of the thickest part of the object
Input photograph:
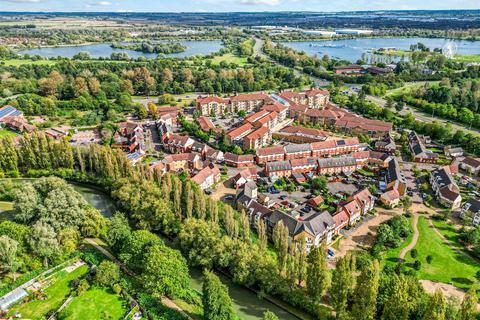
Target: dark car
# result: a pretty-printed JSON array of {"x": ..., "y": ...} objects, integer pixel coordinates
[{"x": 283, "y": 197}]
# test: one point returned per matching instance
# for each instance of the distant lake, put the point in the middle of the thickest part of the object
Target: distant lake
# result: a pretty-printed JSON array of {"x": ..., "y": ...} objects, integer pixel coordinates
[
  {"x": 352, "y": 49},
  {"x": 105, "y": 50}
]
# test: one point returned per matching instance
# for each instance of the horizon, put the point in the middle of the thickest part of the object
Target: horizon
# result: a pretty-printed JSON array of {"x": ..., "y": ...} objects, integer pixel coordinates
[{"x": 233, "y": 6}]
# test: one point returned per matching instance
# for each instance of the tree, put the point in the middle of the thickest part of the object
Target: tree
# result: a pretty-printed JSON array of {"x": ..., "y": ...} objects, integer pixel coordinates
[
  {"x": 268, "y": 315},
  {"x": 280, "y": 241},
  {"x": 231, "y": 225},
  {"x": 262, "y": 235},
  {"x": 217, "y": 304},
  {"x": 318, "y": 275},
  {"x": 165, "y": 272},
  {"x": 199, "y": 241},
  {"x": 108, "y": 273},
  {"x": 435, "y": 309},
  {"x": 118, "y": 231},
  {"x": 342, "y": 284},
  {"x": 8, "y": 254},
  {"x": 245, "y": 226},
  {"x": 365, "y": 296},
  {"x": 43, "y": 241},
  {"x": 94, "y": 225},
  {"x": 468, "y": 308},
  {"x": 397, "y": 305}
]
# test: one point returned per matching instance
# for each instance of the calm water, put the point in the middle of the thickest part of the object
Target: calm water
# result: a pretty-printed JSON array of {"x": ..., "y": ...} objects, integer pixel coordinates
[
  {"x": 104, "y": 50},
  {"x": 245, "y": 302},
  {"x": 93, "y": 196},
  {"x": 352, "y": 49}
]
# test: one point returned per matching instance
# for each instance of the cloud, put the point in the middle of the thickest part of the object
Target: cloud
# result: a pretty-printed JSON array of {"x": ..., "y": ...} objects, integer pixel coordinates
[
  {"x": 99, "y": 4},
  {"x": 259, "y": 2}
]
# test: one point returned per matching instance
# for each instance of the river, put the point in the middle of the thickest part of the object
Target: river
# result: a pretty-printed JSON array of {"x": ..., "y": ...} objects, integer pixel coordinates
[
  {"x": 203, "y": 47},
  {"x": 246, "y": 303},
  {"x": 352, "y": 49}
]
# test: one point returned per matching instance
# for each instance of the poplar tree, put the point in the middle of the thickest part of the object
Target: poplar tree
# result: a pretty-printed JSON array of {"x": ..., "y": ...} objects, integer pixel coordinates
[
  {"x": 231, "y": 226},
  {"x": 318, "y": 275},
  {"x": 212, "y": 210},
  {"x": 262, "y": 235},
  {"x": 199, "y": 209},
  {"x": 397, "y": 305},
  {"x": 177, "y": 196},
  {"x": 245, "y": 226},
  {"x": 187, "y": 199},
  {"x": 468, "y": 308},
  {"x": 342, "y": 285},
  {"x": 436, "y": 306},
  {"x": 301, "y": 258},
  {"x": 366, "y": 290}
]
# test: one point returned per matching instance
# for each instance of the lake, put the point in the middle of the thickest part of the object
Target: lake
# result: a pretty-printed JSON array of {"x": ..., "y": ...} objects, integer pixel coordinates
[
  {"x": 105, "y": 50},
  {"x": 352, "y": 49}
]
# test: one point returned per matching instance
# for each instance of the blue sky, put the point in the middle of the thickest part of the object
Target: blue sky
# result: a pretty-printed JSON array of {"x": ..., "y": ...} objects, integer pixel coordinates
[{"x": 231, "y": 5}]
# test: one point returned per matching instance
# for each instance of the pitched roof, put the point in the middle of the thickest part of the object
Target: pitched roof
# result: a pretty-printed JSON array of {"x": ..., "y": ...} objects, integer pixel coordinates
[
  {"x": 237, "y": 132},
  {"x": 257, "y": 116},
  {"x": 259, "y": 133},
  {"x": 299, "y": 130},
  {"x": 210, "y": 99},
  {"x": 275, "y": 106},
  {"x": 278, "y": 166},
  {"x": 269, "y": 151},
  {"x": 471, "y": 162},
  {"x": 315, "y": 223},
  {"x": 391, "y": 195},
  {"x": 206, "y": 172},
  {"x": 238, "y": 158},
  {"x": 250, "y": 96},
  {"x": 294, "y": 148},
  {"x": 336, "y": 162}
]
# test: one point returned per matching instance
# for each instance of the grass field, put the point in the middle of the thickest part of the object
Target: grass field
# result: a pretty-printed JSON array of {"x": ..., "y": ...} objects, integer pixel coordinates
[
  {"x": 96, "y": 303},
  {"x": 56, "y": 293},
  {"x": 448, "y": 266},
  {"x": 447, "y": 230},
  {"x": 467, "y": 58},
  {"x": 230, "y": 58},
  {"x": 7, "y": 133},
  {"x": 20, "y": 62}
]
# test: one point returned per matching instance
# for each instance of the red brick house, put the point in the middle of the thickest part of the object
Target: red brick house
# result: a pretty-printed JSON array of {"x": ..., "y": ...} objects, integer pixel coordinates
[
  {"x": 239, "y": 161},
  {"x": 269, "y": 154}
]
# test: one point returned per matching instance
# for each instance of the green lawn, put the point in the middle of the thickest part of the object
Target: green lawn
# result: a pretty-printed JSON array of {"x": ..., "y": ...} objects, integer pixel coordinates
[
  {"x": 447, "y": 230},
  {"x": 467, "y": 58},
  {"x": 7, "y": 133},
  {"x": 56, "y": 293},
  {"x": 96, "y": 303},
  {"x": 391, "y": 256},
  {"x": 20, "y": 62},
  {"x": 447, "y": 265},
  {"x": 230, "y": 58}
]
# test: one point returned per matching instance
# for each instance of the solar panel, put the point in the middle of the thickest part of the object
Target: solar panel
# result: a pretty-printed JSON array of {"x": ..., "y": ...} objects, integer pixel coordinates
[
  {"x": 340, "y": 142},
  {"x": 6, "y": 111},
  {"x": 17, "y": 113}
]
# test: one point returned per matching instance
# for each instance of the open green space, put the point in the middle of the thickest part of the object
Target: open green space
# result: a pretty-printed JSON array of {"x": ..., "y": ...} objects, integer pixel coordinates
[
  {"x": 467, "y": 58},
  {"x": 448, "y": 265},
  {"x": 56, "y": 293},
  {"x": 96, "y": 303},
  {"x": 20, "y": 62},
  {"x": 446, "y": 229},
  {"x": 230, "y": 58},
  {"x": 391, "y": 256},
  {"x": 7, "y": 133}
]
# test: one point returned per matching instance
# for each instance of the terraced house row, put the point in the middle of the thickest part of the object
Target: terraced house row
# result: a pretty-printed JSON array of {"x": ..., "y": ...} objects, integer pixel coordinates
[
  {"x": 305, "y": 150},
  {"x": 326, "y": 166}
]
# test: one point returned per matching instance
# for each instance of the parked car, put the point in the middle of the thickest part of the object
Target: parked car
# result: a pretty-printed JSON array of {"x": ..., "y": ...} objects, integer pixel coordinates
[
  {"x": 283, "y": 197},
  {"x": 330, "y": 253},
  {"x": 229, "y": 197}
]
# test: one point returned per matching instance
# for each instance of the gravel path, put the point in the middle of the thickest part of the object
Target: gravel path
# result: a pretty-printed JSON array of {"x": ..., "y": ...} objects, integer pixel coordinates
[{"x": 414, "y": 239}]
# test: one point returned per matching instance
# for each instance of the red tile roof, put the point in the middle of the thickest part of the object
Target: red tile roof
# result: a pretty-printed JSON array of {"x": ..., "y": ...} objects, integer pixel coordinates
[
  {"x": 304, "y": 131},
  {"x": 329, "y": 144},
  {"x": 277, "y": 107},
  {"x": 313, "y": 92},
  {"x": 256, "y": 116},
  {"x": 269, "y": 151},
  {"x": 238, "y": 158},
  {"x": 258, "y": 133},
  {"x": 240, "y": 130},
  {"x": 212, "y": 99},
  {"x": 250, "y": 96}
]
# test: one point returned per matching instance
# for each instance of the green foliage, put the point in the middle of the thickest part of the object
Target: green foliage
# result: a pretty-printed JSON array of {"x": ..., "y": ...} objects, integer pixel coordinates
[
  {"x": 318, "y": 275},
  {"x": 107, "y": 273},
  {"x": 217, "y": 305}
]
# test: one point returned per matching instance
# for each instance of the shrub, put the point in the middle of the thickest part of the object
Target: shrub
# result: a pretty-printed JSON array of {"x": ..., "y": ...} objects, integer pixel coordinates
[
  {"x": 414, "y": 253},
  {"x": 429, "y": 259},
  {"x": 82, "y": 287},
  {"x": 417, "y": 265}
]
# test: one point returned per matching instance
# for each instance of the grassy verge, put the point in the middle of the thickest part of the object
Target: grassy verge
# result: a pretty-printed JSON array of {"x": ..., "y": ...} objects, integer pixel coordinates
[
  {"x": 448, "y": 265},
  {"x": 96, "y": 303},
  {"x": 56, "y": 293},
  {"x": 7, "y": 133},
  {"x": 446, "y": 229},
  {"x": 391, "y": 256},
  {"x": 467, "y": 58},
  {"x": 21, "y": 62}
]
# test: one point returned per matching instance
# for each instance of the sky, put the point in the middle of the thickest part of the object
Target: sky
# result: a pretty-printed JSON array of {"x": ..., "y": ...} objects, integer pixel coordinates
[{"x": 230, "y": 5}]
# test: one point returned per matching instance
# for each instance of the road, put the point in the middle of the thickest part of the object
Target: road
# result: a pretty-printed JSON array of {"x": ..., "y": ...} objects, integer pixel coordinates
[{"x": 422, "y": 116}]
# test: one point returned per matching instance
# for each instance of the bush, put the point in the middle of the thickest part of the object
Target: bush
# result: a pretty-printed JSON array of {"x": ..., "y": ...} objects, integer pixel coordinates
[
  {"x": 417, "y": 265},
  {"x": 82, "y": 287},
  {"x": 414, "y": 253},
  {"x": 117, "y": 288},
  {"x": 429, "y": 259}
]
